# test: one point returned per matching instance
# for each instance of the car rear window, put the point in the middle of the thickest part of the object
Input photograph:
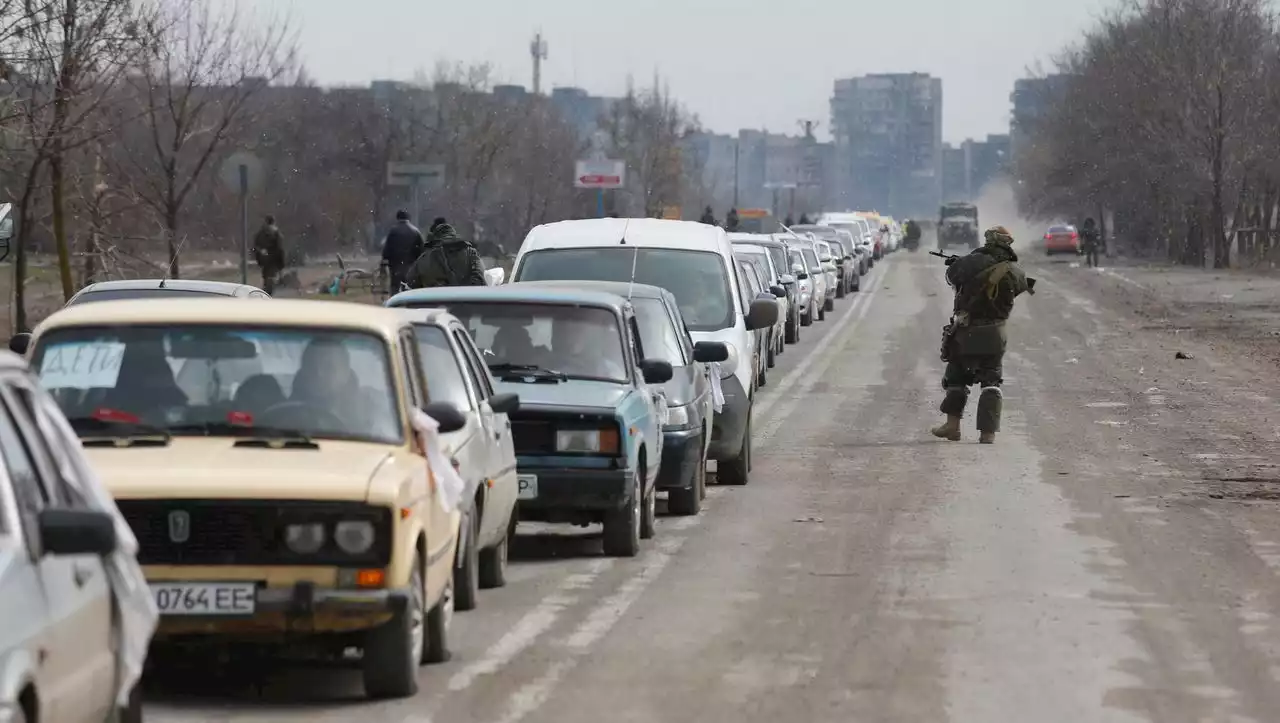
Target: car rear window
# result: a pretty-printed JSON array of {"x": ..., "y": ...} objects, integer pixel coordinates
[
  {"x": 156, "y": 293},
  {"x": 1060, "y": 229}
]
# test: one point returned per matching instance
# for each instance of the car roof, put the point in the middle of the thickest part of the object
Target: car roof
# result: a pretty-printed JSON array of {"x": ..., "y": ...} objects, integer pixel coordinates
[
  {"x": 279, "y": 312},
  {"x": 433, "y": 315},
  {"x": 559, "y": 292},
  {"x": 621, "y": 289},
  {"x": 224, "y": 288},
  {"x": 642, "y": 232}
]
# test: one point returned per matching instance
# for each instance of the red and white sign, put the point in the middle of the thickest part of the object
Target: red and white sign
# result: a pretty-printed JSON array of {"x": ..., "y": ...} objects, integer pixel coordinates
[{"x": 600, "y": 174}]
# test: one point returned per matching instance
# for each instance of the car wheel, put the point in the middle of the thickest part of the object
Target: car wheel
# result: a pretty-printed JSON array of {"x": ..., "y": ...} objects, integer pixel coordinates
[
  {"x": 393, "y": 651},
  {"x": 840, "y": 290},
  {"x": 762, "y": 376},
  {"x": 687, "y": 501},
  {"x": 622, "y": 527},
  {"x": 438, "y": 622},
  {"x": 649, "y": 515},
  {"x": 738, "y": 471},
  {"x": 466, "y": 577},
  {"x": 830, "y": 305},
  {"x": 857, "y": 285},
  {"x": 771, "y": 357},
  {"x": 493, "y": 561},
  {"x": 807, "y": 319},
  {"x": 791, "y": 334},
  {"x": 822, "y": 312}
]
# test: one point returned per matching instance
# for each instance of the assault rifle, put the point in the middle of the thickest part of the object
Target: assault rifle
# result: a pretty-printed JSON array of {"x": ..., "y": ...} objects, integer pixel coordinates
[{"x": 951, "y": 258}]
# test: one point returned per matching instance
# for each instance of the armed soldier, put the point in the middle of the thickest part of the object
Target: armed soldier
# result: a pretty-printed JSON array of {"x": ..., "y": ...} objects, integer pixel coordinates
[
  {"x": 986, "y": 281},
  {"x": 1090, "y": 241}
]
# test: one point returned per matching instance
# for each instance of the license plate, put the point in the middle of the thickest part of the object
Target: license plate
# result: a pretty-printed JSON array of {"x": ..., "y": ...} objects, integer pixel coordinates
[
  {"x": 205, "y": 598},
  {"x": 527, "y": 486}
]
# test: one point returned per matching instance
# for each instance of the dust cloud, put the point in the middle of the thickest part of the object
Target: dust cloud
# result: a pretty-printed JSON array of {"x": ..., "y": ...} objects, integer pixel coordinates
[{"x": 997, "y": 206}]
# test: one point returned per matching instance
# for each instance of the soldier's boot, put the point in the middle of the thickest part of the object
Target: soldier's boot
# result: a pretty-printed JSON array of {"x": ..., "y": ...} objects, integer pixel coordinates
[
  {"x": 949, "y": 429},
  {"x": 990, "y": 403}
]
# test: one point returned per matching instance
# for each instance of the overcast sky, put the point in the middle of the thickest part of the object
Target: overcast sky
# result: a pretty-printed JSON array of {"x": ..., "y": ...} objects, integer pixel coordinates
[{"x": 738, "y": 64}]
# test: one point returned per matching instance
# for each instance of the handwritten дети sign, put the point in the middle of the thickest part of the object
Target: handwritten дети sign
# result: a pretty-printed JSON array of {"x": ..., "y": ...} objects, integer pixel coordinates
[{"x": 85, "y": 365}]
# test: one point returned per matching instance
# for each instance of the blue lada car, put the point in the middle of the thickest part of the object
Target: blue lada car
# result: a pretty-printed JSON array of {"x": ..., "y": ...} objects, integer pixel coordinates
[{"x": 588, "y": 434}]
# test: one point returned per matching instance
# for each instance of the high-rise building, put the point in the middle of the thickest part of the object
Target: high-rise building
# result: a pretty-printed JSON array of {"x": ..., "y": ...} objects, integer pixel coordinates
[
  {"x": 888, "y": 142},
  {"x": 1033, "y": 99},
  {"x": 968, "y": 167}
]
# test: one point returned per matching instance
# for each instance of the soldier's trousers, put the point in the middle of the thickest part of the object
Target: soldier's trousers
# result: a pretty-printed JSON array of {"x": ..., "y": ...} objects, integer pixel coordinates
[
  {"x": 269, "y": 275},
  {"x": 1091, "y": 255},
  {"x": 985, "y": 370}
]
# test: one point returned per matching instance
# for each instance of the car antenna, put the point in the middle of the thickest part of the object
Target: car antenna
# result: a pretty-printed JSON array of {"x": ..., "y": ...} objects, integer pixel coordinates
[
  {"x": 635, "y": 256},
  {"x": 169, "y": 266}
]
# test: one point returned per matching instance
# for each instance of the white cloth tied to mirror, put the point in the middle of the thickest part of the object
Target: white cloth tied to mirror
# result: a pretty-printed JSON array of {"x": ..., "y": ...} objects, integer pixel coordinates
[
  {"x": 717, "y": 394},
  {"x": 452, "y": 488},
  {"x": 135, "y": 607},
  {"x": 660, "y": 407}
]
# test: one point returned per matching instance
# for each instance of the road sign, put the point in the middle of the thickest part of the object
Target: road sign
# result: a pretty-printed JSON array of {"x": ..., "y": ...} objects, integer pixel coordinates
[
  {"x": 599, "y": 174},
  {"x": 230, "y": 172},
  {"x": 408, "y": 174}
]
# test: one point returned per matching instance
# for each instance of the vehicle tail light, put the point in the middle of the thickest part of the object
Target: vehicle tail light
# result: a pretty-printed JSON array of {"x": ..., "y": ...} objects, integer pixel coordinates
[
  {"x": 1074, "y": 235},
  {"x": 107, "y": 414},
  {"x": 1048, "y": 237}
]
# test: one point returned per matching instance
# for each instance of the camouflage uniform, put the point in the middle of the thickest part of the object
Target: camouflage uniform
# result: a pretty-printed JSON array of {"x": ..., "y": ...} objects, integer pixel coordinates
[
  {"x": 1090, "y": 241},
  {"x": 986, "y": 282},
  {"x": 268, "y": 251},
  {"x": 447, "y": 261}
]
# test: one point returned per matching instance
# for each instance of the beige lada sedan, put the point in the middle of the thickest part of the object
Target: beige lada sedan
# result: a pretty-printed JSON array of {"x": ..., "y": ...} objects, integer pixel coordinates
[{"x": 269, "y": 456}]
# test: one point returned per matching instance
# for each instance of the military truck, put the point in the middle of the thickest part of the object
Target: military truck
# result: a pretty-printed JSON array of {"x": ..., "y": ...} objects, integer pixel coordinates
[{"x": 958, "y": 225}]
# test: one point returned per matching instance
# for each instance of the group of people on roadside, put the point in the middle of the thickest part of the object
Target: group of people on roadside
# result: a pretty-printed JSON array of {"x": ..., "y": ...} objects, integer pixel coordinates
[{"x": 413, "y": 261}]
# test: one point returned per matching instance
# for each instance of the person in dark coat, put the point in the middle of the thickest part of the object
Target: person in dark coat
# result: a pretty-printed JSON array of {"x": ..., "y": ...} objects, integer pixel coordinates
[
  {"x": 268, "y": 251},
  {"x": 804, "y": 219},
  {"x": 1090, "y": 240},
  {"x": 731, "y": 221},
  {"x": 986, "y": 282},
  {"x": 448, "y": 261},
  {"x": 708, "y": 217},
  {"x": 401, "y": 248}
]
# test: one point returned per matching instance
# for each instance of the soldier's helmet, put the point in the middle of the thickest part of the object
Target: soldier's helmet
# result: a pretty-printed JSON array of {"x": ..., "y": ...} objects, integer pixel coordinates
[{"x": 998, "y": 235}]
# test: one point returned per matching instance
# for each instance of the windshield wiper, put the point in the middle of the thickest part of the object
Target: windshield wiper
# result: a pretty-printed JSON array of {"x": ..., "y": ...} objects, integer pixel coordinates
[
  {"x": 504, "y": 370},
  {"x": 94, "y": 430},
  {"x": 266, "y": 434}
]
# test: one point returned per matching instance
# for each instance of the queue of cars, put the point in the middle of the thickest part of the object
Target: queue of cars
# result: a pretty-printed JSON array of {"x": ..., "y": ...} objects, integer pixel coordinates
[{"x": 326, "y": 480}]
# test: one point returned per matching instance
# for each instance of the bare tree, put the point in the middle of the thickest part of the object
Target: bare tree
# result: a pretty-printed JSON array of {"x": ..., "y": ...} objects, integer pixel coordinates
[
  {"x": 196, "y": 87},
  {"x": 646, "y": 130}
]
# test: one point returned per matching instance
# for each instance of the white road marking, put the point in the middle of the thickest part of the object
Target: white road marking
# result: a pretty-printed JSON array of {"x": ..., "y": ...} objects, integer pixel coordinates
[{"x": 529, "y": 628}]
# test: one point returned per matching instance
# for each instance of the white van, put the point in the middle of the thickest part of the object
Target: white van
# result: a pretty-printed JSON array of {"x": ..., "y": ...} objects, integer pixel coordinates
[{"x": 693, "y": 261}]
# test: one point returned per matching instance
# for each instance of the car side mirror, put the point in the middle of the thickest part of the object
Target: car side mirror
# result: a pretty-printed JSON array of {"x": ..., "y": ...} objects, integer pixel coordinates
[
  {"x": 848, "y": 257},
  {"x": 787, "y": 279},
  {"x": 707, "y": 352},
  {"x": 797, "y": 269},
  {"x": 656, "y": 371},
  {"x": 801, "y": 276},
  {"x": 778, "y": 291},
  {"x": 19, "y": 342},
  {"x": 763, "y": 314},
  {"x": 504, "y": 403},
  {"x": 77, "y": 532},
  {"x": 449, "y": 417}
]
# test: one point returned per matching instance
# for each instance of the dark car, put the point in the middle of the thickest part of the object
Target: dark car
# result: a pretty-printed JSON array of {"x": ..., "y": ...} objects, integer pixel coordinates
[{"x": 690, "y": 404}]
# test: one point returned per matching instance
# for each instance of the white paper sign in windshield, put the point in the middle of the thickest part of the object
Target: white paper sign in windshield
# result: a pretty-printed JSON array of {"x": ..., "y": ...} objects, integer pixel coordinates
[{"x": 85, "y": 365}]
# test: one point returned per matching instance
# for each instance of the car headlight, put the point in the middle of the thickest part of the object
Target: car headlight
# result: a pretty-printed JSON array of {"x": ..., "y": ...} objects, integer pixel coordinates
[
  {"x": 678, "y": 416},
  {"x": 587, "y": 441},
  {"x": 354, "y": 537},
  {"x": 304, "y": 539},
  {"x": 730, "y": 364}
]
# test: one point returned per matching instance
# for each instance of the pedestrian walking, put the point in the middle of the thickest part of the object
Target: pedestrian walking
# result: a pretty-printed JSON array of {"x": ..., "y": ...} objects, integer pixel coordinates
[
  {"x": 986, "y": 282},
  {"x": 401, "y": 248},
  {"x": 1090, "y": 240},
  {"x": 447, "y": 261},
  {"x": 268, "y": 251}
]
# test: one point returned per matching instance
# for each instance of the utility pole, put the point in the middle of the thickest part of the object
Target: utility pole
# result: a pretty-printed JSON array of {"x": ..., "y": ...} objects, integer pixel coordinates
[
  {"x": 808, "y": 126},
  {"x": 736, "y": 144},
  {"x": 538, "y": 49}
]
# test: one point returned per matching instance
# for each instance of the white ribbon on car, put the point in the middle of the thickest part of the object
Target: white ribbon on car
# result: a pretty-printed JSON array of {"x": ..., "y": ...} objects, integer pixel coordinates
[
  {"x": 660, "y": 407},
  {"x": 450, "y": 487},
  {"x": 717, "y": 394}
]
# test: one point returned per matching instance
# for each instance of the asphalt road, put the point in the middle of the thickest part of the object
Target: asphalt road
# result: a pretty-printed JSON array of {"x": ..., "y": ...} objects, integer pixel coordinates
[{"x": 1111, "y": 558}]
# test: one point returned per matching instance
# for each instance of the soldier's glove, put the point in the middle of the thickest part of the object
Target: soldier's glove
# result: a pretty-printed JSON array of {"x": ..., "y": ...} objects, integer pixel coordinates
[{"x": 950, "y": 260}]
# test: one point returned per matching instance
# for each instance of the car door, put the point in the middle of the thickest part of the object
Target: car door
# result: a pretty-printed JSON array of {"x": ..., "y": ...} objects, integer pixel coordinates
[
  {"x": 440, "y": 524},
  {"x": 702, "y": 400},
  {"x": 446, "y": 378},
  {"x": 79, "y": 667},
  {"x": 655, "y": 398},
  {"x": 501, "y": 458}
]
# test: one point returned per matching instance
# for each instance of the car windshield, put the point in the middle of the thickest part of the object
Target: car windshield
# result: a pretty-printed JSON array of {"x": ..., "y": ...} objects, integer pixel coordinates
[
  {"x": 698, "y": 279},
  {"x": 796, "y": 258},
  {"x": 758, "y": 258},
  {"x": 779, "y": 256},
  {"x": 143, "y": 293},
  {"x": 221, "y": 380},
  {"x": 576, "y": 342},
  {"x": 811, "y": 258},
  {"x": 1061, "y": 229},
  {"x": 658, "y": 334}
]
